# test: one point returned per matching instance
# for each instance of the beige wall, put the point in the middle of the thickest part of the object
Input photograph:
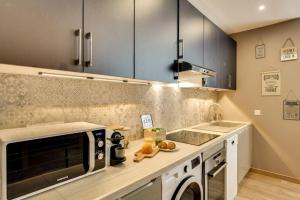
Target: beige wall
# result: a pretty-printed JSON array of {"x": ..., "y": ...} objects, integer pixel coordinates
[
  {"x": 276, "y": 142},
  {"x": 27, "y": 100}
]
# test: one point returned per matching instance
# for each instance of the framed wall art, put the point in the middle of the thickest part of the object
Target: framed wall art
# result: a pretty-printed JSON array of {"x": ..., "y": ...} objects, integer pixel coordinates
[
  {"x": 259, "y": 51},
  {"x": 271, "y": 83},
  {"x": 291, "y": 106},
  {"x": 291, "y": 110},
  {"x": 289, "y": 53}
]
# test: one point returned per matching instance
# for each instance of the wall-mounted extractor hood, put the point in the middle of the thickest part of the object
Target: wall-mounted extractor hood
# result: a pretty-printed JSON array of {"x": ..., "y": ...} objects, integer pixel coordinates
[{"x": 188, "y": 72}]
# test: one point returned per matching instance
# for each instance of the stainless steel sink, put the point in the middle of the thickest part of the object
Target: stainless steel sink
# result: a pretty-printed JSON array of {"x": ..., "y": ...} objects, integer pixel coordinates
[
  {"x": 220, "y": 126},
  {"x": 225, "y": 124}
]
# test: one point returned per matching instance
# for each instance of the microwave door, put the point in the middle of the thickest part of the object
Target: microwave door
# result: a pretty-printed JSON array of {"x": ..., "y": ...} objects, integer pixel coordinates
[{"x": 36, "y": 164}]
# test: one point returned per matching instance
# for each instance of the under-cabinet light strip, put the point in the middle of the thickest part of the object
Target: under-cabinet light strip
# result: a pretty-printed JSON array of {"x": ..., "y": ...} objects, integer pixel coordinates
[
  {"x": 61, "y": 75},
  {"x": 93, "y": 78}
]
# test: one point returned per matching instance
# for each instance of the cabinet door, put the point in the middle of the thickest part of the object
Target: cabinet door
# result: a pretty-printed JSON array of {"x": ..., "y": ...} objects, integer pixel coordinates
[
  {"x": 40, "y": 33},
  {"x": 228, "y": 62},
  {"x": 244, "y": 152},
  {"x": 191, "y": 32},
  {"x": 155, "y": 39},
  {"x": 211, "y": 51},
  {"x": 231, "y": 76},
  {"x": 109, "y": 37},
  {"x": 231, "y": 169}
]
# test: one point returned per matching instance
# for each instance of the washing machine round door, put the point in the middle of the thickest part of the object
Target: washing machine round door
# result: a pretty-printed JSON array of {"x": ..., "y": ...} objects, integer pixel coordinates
[{"x": 189, "y": 189}]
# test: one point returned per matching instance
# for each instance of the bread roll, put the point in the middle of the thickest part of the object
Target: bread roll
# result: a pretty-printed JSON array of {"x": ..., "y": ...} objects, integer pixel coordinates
[
  {"x": 171, "y": 145},
  {"x": 163, "y": 145}
]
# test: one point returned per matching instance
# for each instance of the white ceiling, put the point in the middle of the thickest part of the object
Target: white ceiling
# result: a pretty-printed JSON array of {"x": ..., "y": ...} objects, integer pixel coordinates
[{"x": 239, "y": 15}]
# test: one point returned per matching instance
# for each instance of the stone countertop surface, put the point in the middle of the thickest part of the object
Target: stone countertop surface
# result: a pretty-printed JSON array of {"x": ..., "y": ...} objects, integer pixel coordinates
[{"x": 119, "y": 180}]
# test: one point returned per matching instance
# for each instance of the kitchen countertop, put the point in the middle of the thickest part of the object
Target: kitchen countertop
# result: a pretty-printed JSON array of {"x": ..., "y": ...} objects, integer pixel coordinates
[{"x": 119, "y": 180}]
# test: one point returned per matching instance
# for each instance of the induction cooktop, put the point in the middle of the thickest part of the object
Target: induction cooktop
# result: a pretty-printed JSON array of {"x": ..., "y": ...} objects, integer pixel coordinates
[{"x": 191, "y": 137}]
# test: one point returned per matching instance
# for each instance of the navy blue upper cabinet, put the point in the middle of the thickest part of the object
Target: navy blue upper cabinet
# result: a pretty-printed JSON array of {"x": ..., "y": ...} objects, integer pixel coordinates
[
  {"x": 191, "y": 32},
  {"x": 155, "y": 39},
  {"x": 211, "y": 51},
  {"x": 124, "y": 38},
  {"x": 231, "y": 76},
  {"x": 228, "y": 63},
  {"x": 109, "y": 37},
  {"x": 41, "y": 33},
  {"x": 219, "y": 55}
]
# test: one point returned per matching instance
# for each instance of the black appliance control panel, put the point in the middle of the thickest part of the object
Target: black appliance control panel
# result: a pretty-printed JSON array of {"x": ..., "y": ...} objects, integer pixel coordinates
[
  {"x": 100, "y": 146},
  {"x": 195, "y": 162}
]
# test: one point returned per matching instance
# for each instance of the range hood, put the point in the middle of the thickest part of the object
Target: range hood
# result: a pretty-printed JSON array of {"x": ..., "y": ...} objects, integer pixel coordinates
[{"x": 191, "y": 73}]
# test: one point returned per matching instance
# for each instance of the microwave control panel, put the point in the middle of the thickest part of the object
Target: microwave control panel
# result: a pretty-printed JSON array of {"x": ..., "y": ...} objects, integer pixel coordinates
[{"x": 99, "y": 149}]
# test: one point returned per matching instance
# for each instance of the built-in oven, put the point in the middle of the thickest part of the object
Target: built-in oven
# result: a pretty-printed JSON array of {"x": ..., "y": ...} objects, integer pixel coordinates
[
  {"x": 214, "y": 176},
  {"x": 39, "y": 158}
]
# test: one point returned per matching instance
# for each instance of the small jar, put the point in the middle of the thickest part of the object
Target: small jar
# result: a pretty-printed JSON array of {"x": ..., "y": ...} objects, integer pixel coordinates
[
  {"x": 149, "y": 141},
  {"x": 160, "y": 135},
  {"x": 149, "y": 135}
]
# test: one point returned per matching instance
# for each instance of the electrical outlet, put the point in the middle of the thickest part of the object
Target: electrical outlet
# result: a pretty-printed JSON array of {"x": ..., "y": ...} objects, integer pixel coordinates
[{"x": 257, "y": 112}]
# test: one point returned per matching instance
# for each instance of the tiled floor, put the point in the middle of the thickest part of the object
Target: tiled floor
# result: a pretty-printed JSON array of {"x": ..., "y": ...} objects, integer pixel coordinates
[{"x": 259, "y": 187}]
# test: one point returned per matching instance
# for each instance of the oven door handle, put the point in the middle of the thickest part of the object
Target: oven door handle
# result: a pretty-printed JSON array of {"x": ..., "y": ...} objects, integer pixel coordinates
[{"x": 217, "y": 171}]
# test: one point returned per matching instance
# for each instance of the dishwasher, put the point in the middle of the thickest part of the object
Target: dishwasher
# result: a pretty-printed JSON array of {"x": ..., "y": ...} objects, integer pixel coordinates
[
  {"x": 149, "y": 191},
  {"x": 214, "y": 167}
]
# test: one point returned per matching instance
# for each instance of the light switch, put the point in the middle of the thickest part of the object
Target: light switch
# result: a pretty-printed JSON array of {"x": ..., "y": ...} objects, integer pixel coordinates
[{"x": 257, "y": 112}]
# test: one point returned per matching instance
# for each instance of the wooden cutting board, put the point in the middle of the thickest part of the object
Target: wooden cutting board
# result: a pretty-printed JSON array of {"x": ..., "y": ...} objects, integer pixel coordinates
[{"x": 140, "y": 156}]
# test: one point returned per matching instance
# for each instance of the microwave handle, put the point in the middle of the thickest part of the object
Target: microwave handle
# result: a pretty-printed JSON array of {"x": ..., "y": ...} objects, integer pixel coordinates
[
  {"x": 220, "y": 168},
  {"x": 91, "y": 151}
]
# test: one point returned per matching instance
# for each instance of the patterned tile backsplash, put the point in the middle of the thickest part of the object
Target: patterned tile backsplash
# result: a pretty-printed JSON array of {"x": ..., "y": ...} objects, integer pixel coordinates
[{"x": 27, "y": 100}]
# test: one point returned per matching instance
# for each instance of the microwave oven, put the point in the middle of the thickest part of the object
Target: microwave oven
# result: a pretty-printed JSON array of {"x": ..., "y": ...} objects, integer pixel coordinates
[{"x": 38, "y": 158}]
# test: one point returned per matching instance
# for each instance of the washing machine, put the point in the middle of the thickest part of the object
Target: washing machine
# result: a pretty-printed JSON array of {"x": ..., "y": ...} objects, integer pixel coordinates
[{"x": 184, "y": 182}]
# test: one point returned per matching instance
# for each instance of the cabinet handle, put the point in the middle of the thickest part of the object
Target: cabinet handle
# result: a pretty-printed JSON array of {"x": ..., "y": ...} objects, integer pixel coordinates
[
  {"x": 78, "y": 35},
  {"x": 131, "y": 194},
  {"x": 180, "y": 49},
  {"x": 89, "y": 52},
  {"x": 229, "y": 80},
  {"x": 232, "y": 142}
]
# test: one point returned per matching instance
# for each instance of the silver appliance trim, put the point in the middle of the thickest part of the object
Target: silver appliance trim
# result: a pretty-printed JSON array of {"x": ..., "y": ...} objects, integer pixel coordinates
[
  {"x": 91, "y": 151},
  {"x": 185, "y": 184},
  {"x": 193, "y": 70}
]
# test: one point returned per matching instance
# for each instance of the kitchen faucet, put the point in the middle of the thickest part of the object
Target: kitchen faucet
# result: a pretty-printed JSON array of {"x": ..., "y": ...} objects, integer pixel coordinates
[{"x": 214, "y": 112}]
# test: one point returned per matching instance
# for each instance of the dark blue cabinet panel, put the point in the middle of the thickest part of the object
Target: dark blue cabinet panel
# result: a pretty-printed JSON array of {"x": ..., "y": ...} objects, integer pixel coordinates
[
  {"x": 155, "y": 39},
  {"x": 219, "y": 55},
  {"x": 40, "y": 33},
  {"x": 212, "y": 44},
  {"x": 191, "y": 32},
  {"x": 111, "y": 24},
  {"x": 228, "y": 63}
]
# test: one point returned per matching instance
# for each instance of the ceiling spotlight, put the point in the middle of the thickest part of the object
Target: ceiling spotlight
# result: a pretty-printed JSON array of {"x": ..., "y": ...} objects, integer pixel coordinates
[{"x": 261, "y": 7}]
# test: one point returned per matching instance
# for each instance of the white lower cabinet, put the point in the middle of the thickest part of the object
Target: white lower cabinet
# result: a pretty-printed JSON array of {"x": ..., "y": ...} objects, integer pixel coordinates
[
  {"x": 239, "y": 160},
  {"x": 244, "y": 150},
  {"x": 231, "y": 184}
]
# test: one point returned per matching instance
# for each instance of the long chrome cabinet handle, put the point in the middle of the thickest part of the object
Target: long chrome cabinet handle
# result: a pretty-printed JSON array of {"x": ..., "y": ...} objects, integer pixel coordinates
[
  {"x": 78, "y": 42},
  {"x": 180, "y": 49},
  {"x": 229, "y": 80},
  {"x": 89, "y": 53}
]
